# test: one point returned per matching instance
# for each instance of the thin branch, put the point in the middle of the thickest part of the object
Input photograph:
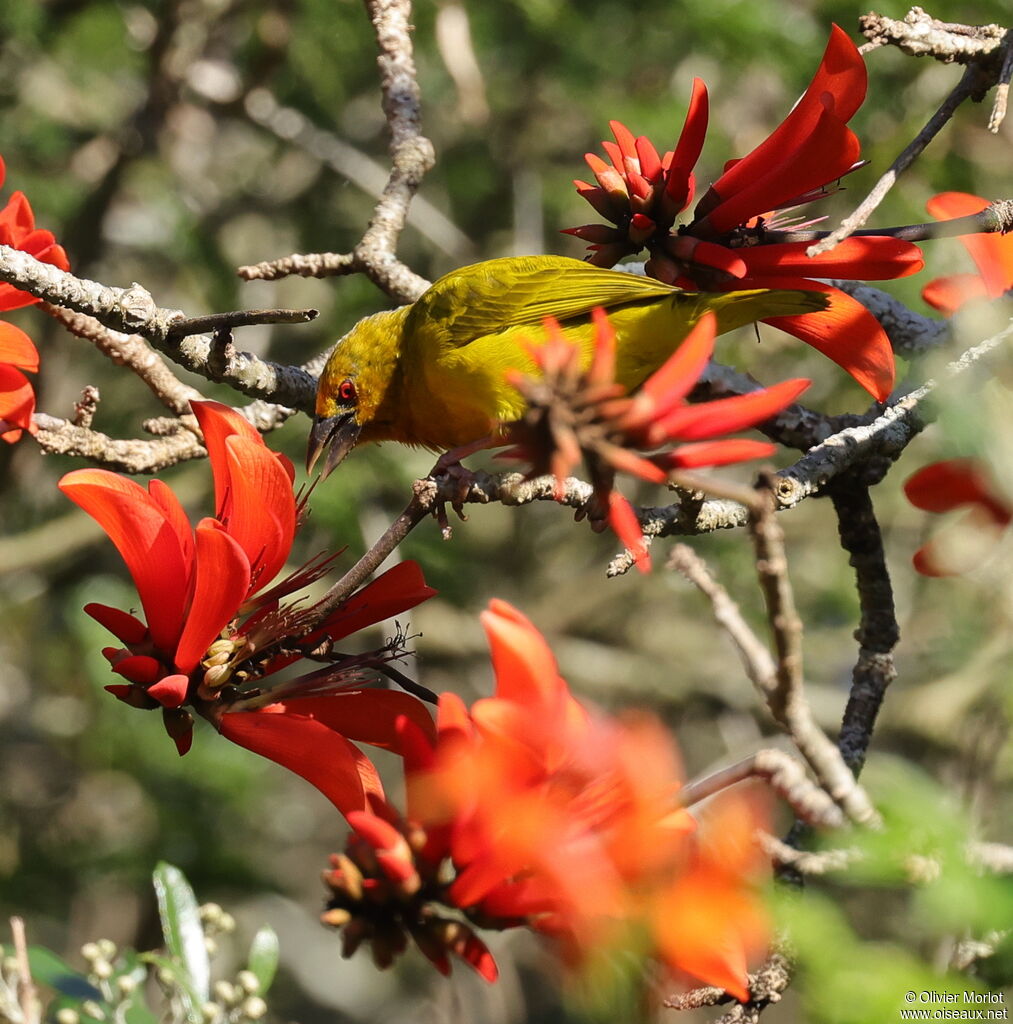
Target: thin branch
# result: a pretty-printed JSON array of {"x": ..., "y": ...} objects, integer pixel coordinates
[
  {"x": 133, "y": 352},
  {"x": 28, "y": 994},
  {"x": 412, "y": 157},
  {"x": 788, "y": 703},
  {"x": 57, "y": 436},
  {"x": 756, "y": 660},
  {"x": 213, "y": 323},
  {"x": 785, "y": 776},
  {"x": 806, "y": 862},
  {"x": 878, "y": 631}
]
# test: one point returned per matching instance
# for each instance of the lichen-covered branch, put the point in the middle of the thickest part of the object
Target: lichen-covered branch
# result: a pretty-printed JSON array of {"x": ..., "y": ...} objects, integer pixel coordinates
[{"x": 133, "y": 311}]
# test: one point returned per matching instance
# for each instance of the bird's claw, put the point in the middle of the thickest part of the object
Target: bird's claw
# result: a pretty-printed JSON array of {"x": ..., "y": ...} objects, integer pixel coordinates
[{"x": 461, "y": 481}]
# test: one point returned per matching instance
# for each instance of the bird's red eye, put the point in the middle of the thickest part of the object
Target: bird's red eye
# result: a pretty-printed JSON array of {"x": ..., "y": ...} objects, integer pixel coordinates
[{"x": 346, "y": 391}]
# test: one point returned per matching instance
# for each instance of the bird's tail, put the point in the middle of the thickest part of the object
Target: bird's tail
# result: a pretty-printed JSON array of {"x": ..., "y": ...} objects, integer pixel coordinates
[{"x": 735, "y": 309}]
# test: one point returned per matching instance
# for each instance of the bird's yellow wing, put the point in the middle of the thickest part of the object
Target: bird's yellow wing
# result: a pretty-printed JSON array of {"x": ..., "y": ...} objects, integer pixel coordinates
[{"x": 493, "y": 296}]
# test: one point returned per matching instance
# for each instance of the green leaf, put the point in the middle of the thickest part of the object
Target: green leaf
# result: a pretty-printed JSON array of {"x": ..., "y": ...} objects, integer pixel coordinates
[
  {"x": 264, "y": 957},
  {"x": 50, "y": 970},
  {"x": 184, "y": 937}
]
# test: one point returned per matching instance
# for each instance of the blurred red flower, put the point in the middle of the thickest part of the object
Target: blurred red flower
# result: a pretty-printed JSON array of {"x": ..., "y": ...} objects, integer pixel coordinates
[
  {"x": 556, "y": 818},
  {"x": 17, "y": 351},
  {"x": 573, "y": 414},
  {"x": 992, "y": 254},
  {"x": 725, "y": 244},
  {"x": 952, "y": 484},
  {"x": 213, "y": 634}
]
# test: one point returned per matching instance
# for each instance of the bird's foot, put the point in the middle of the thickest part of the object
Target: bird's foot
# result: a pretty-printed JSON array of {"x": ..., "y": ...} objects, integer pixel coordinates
[{"x": 457, "y": 479}]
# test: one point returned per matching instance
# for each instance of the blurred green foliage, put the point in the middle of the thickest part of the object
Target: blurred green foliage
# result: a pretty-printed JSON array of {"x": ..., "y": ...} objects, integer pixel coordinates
[{"x": 128, "y": 124}]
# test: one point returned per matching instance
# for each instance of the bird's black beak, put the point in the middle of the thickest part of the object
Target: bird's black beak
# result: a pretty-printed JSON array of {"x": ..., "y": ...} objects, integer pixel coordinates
[{"x": 335, "y": 435}]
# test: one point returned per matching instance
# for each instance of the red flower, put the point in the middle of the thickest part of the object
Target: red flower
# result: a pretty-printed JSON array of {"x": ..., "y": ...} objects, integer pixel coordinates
[
  {"x": 17, "y": 399},
  {"x": 992, "y": 254},
  {"x": 213, "y": 635},
  {"x": 18, "y": 230},
  {"x": 725, "y": 244},
  {"x": 17, "y": 351},
  {"x": 949, "y": 485},
  {"x": 537, "y": 812},
  {"x": 573, "y": 414}
]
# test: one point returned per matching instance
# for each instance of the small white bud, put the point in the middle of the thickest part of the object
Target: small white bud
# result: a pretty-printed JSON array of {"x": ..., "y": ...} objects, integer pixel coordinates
[{"x": 253, "y": 1008}]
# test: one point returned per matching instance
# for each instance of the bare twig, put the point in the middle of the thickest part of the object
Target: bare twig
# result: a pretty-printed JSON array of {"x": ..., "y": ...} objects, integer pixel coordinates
[
  {"x": 411, "y": 156},
  {"x": 62, "y": 437},
  {"x": 766, "y": 986},
  {"x": 806, "y": 862},
  {"x": 787, "y": 702},
  {"x": 755, "y": 656},
  {"x": 785, "y": 776},
  {"x": 28, "y": 995},
  {"x": 213, "y": 323},
  {"x": 132, "y": 351}
]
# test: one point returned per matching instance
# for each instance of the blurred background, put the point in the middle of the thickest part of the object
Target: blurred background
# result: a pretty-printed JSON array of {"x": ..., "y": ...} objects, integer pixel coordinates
[{"x": 168, "y": 143}]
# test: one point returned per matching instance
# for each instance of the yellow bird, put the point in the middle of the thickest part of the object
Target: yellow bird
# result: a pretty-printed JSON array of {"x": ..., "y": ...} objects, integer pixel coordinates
[{"x": 433, "y": 374}]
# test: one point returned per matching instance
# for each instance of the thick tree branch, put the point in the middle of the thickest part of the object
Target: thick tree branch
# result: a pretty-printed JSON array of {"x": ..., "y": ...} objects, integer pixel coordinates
[
  {"x": 878, "y": 631},
  {"x": 133, "y": 311}
]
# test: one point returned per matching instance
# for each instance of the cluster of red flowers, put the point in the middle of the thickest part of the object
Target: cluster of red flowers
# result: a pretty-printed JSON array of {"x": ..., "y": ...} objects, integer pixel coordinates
[
  {"x": 573, "y": 414},
  {"x": 728, "y": 241},
  {"x": 215, "y": 637},
  {"x": 528, "y": 809},
  {"x": 17, "y": 350}
]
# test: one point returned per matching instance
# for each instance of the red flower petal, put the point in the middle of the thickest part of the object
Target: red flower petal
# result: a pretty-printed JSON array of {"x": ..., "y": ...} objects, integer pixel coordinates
[
  {"x": 841, "y": 80},
  {"x": 992, "y": 253},
  {"x": 321, "y": 756},
  {"x": 717, "y": 453},
  {"x": 170, "y": 691},
  {"x": 124, "y": 626},
  {"x": 221, "y": 581},
  {"x": 138, "y": 668},
  {"x": 943, "y": 486},
  {"x": 948, "y": 294},
  {"x": 217, "y": 423},
  {"x": 845, "y": 332},
  {"x": 261, "y": 515},
  {"x": 175, "y": 515},
  {"x": 398, "y": 589},
  {"x": 726, "y": 415},
  {"x": 626, "y": 527},
  {"x": 148, "y": 544},
  {"x": 17, "y": 403},
  {"x": 369, "y": 716},
  {"x": 525, "y": 667},
  {"x": 678, "y": 375},
  {"x": 17, "y": 348},
  {"x": 687, "y": 150},
  {"x": 865, "y": 258},
  {"x": 824, "y": 153}
]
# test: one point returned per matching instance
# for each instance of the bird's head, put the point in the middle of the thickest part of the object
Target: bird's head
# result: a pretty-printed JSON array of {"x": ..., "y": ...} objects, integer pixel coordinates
[{"x": 352, "y": 387}]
